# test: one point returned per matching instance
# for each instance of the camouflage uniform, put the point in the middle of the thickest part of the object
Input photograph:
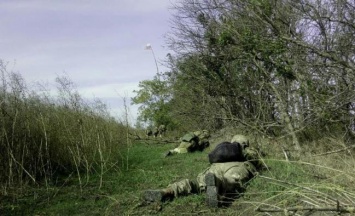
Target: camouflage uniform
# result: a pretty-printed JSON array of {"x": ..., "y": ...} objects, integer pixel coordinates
[
  {"x": 159, "y": 130},
  {"x": 203, "y": 137},
  {"x": 155, "y": 131},
  {"x": 162, "y": 130},
  {"x": 230, "y": 177},
  {"x": 192, "y": 141},
  {"x": 148, "y": 132}
]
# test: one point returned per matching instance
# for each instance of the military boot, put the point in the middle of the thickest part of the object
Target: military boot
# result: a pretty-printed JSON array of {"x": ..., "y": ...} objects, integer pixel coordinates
[
  {"x": 166, "y": 154},
  {"x": 159, "y": 195},
  {"x": 211, "y": 190}
]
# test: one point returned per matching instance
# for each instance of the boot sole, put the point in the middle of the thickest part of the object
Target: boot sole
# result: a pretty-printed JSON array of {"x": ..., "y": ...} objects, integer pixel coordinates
[
  {"x": 153, "y": 196},
  {"x": 211, "y": 190}
]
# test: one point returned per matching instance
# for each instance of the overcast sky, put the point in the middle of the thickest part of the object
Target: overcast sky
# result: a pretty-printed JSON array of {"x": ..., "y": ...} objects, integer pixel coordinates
[{"x": 99, "y": 45}]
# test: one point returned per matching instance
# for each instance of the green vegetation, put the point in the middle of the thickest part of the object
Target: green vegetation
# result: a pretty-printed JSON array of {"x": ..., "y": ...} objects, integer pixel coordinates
[
  {"x": 153, "y": 96},
  {"x": 279, "y": 68},
  {"x": 281, "y": 72},
  {"x": 285, "y": 184},
  {"x": 45, "y": 138}
]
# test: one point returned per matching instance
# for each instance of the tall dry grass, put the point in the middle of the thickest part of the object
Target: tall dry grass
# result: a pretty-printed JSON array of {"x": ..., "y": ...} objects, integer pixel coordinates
[{"x": 43, "y": 137}]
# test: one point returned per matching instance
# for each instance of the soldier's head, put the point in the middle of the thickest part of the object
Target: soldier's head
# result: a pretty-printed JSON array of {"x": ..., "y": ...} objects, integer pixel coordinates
[{"x": 241, "y": 139}]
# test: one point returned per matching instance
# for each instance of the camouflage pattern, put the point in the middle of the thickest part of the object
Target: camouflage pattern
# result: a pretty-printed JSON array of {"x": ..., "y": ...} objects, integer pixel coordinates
[
  {"x": 203, "y": 139},
  {"x": 156, "y": 131},
  {"x": 230, "y": 178},
  {"x": 184, "y": 187},
  {"x": 192, "y": 141},
  {"x": 188, "y": 143},
  {"x": 159, "y": 130},
  {"x": 162, "y": 130},
  {"x": 253, "y": 156},
  {"x": 148, "y": 132},
  {"x": 188, "y": 137}
]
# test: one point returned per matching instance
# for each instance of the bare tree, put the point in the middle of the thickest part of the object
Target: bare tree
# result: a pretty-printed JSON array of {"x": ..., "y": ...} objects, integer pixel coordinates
[{"x": 280, "y": 67}]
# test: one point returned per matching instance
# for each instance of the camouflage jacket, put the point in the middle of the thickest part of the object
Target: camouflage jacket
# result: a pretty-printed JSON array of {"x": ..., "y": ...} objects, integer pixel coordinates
[{"x": 252, "y": 155}]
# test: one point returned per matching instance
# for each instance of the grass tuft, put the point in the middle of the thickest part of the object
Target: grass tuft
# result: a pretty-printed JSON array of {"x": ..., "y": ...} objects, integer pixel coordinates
[{"x": 286, "y": 184}]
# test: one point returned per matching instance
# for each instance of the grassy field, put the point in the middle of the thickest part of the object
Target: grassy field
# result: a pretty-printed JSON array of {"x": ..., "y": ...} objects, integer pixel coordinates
[
  {"x": 67, "y": 156},
  {"x": 317, "y": 181}
]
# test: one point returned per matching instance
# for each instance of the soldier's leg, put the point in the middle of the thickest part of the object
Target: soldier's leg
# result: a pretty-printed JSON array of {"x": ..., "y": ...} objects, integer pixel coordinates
[
  {"x": 184, "y": 187},
  {"x": 209, "y": 180},
  {"x": 175, "y": 151}
]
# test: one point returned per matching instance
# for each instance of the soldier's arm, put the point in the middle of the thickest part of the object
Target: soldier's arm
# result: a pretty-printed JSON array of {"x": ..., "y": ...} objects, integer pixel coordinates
[{"x": 252, "y": 155}]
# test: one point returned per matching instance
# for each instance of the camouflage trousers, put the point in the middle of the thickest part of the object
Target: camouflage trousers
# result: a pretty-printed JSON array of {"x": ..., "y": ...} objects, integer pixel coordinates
[
  {"x": 230, "y": 178},
  {"x": 184, "y": 147}
]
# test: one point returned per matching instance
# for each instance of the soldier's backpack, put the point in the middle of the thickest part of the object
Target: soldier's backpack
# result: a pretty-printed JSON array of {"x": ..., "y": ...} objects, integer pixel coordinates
[{"x": 227, "y": 152}]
